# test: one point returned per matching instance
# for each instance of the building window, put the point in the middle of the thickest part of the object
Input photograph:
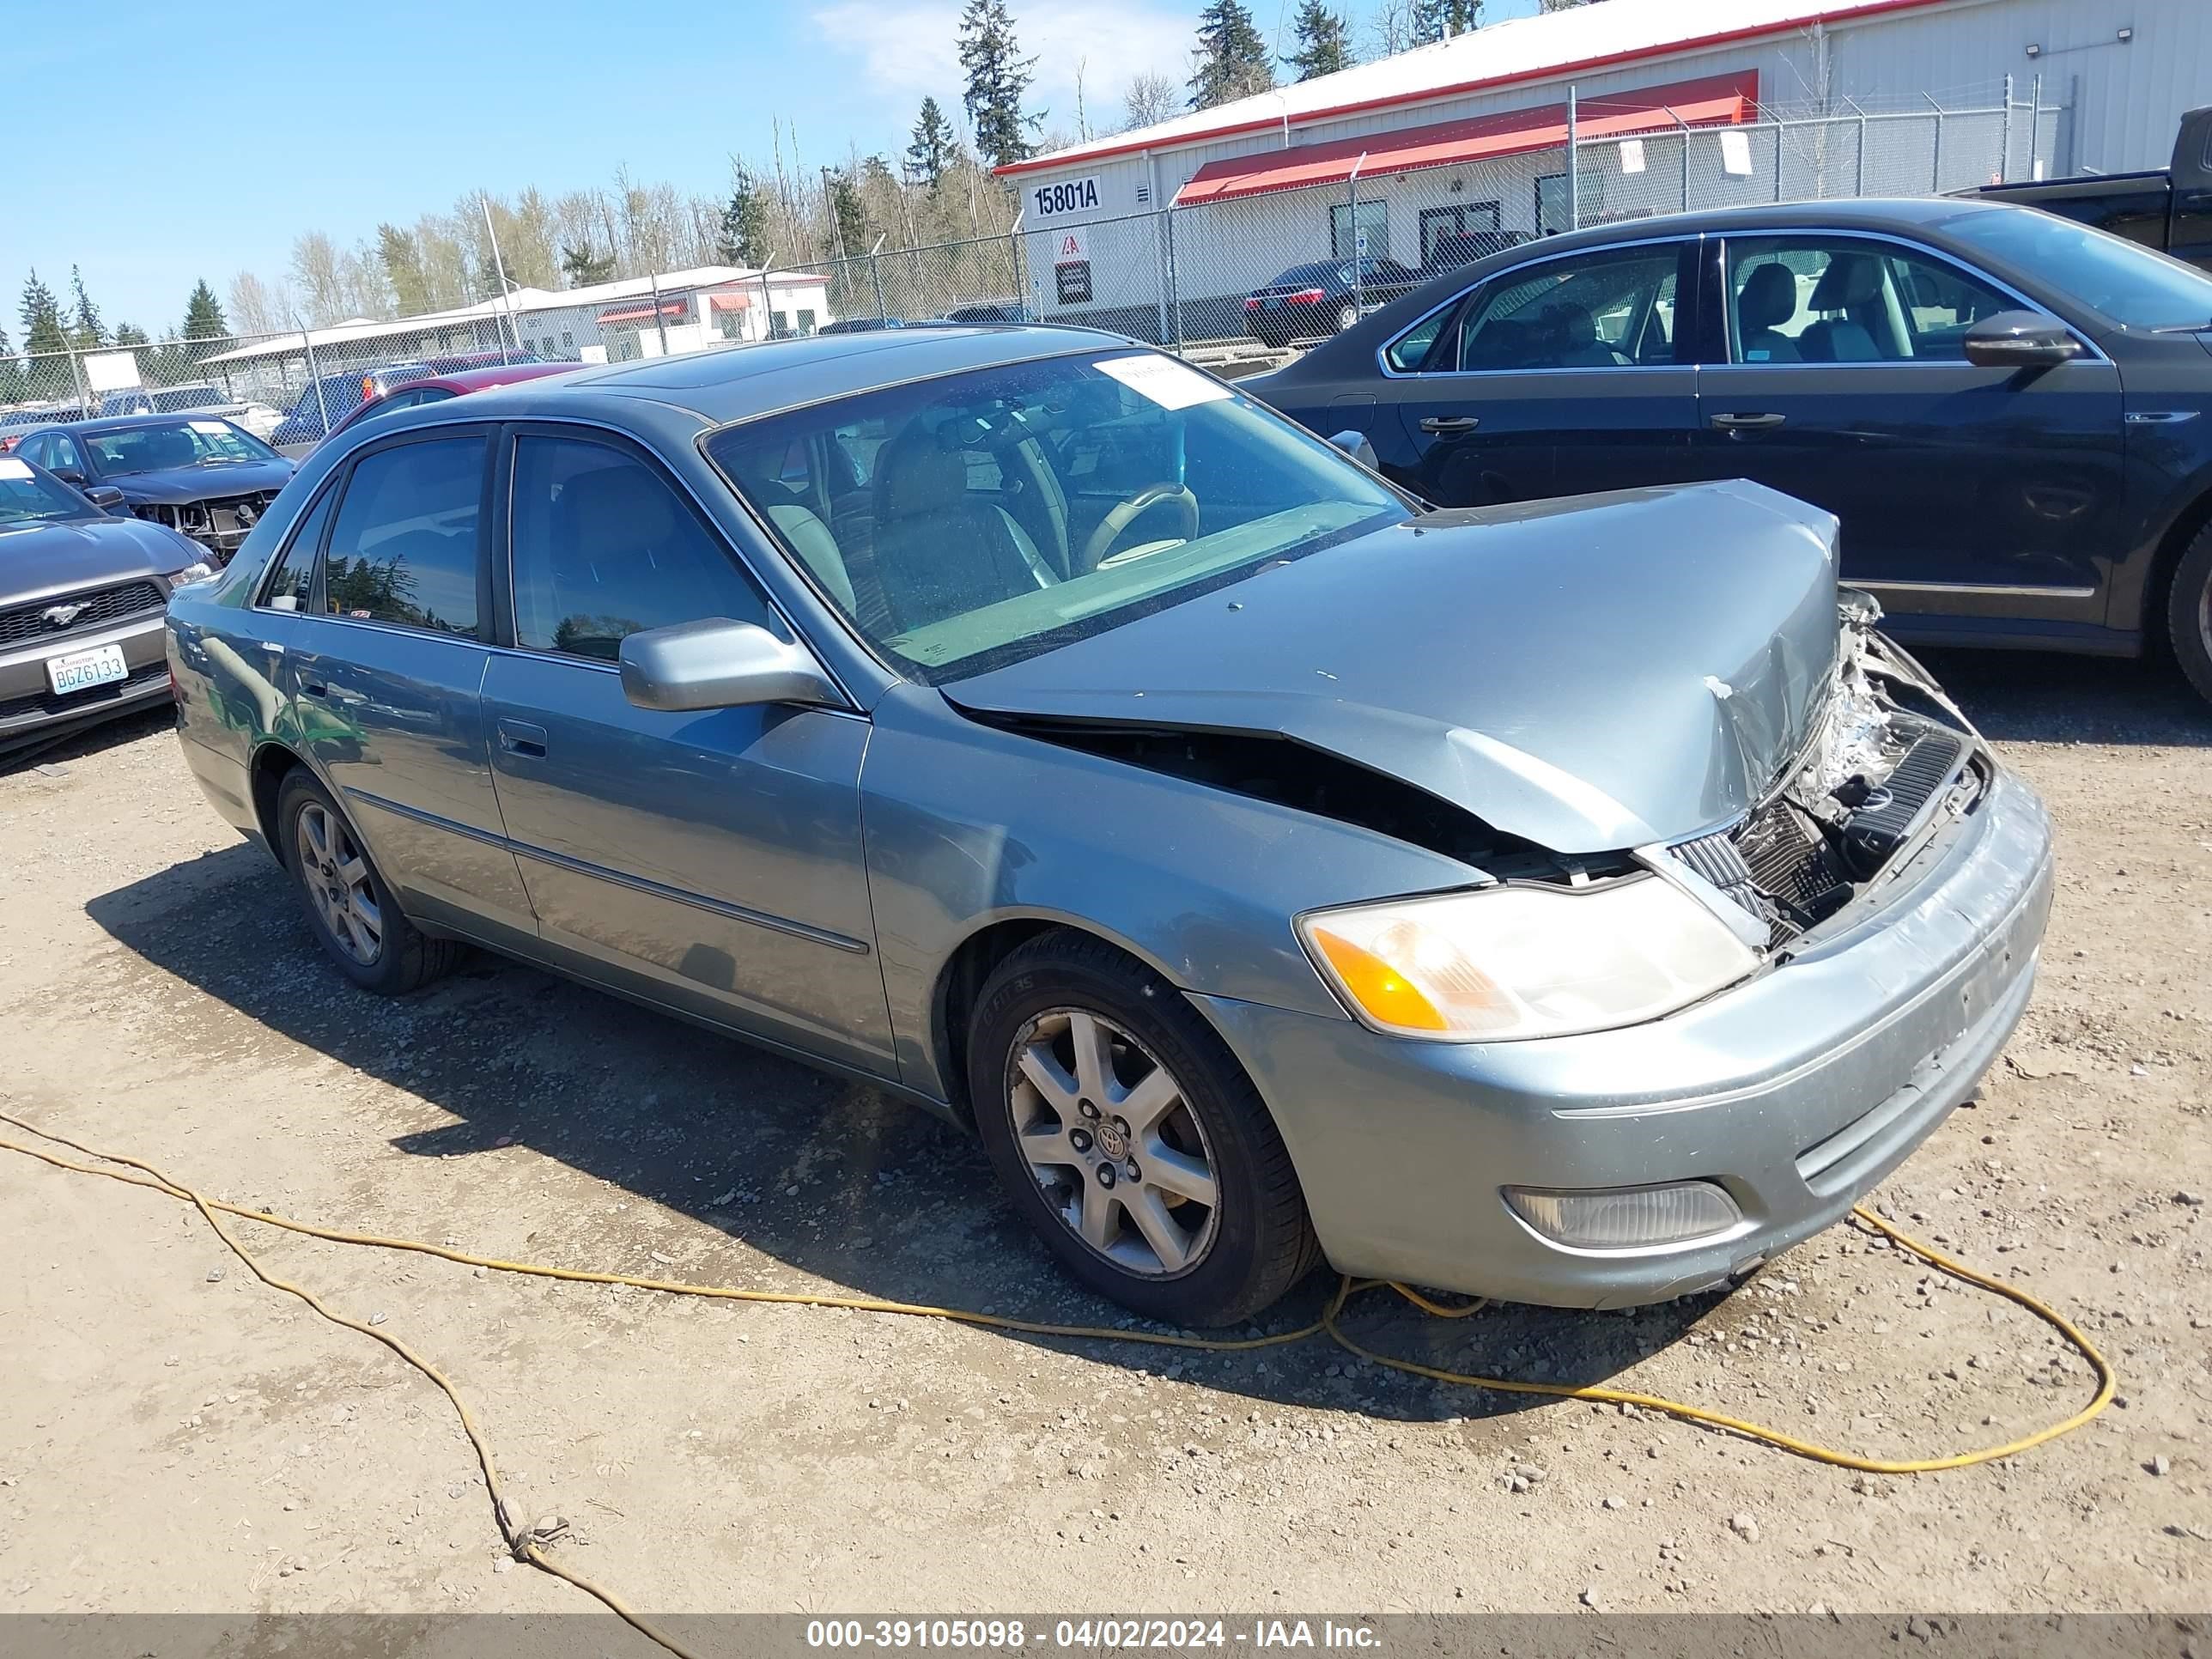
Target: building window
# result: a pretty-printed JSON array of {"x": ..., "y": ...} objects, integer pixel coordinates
[
  {"x": 1551, "y": 201},
  {"x": 567, "y": 337},
  {"x": 1374, "y": 222},
  {"x": 779, "y": 325},
  {"x": 806, "y": 322}
]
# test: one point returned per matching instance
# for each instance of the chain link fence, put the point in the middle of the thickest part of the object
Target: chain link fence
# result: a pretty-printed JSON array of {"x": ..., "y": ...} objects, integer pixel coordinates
[{"x": 1180, "y": 276}]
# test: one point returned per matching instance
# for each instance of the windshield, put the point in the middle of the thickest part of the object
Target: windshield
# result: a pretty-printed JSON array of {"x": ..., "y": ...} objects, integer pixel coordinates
[
  {"x": 968, "y": 521},
  {"x": 2126, "y": 282},
  {"x": 173, "y": 399},
  {"x": 172, "y": 444},
  {"x": 28, "y": 496}
]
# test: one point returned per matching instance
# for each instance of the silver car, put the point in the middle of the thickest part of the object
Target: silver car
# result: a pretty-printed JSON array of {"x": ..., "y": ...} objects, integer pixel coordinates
[
  {"x": 81, "y": 594},
  {"x": 1575, "y": 902}
]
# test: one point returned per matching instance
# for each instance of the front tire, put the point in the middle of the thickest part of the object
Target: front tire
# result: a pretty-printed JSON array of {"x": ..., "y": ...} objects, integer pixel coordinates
[
  {"x": 1130, "y": 1139},
  {"x": 2188, "y": 613},
  {"x": 349, "y": 910}
]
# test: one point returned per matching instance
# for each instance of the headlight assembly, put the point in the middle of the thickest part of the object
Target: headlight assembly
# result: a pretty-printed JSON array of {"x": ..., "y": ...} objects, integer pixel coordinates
[{"x": 1504, "y": 963}]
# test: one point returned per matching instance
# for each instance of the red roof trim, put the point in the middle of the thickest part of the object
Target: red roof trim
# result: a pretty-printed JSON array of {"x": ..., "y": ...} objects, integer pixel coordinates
[
  {"x": 1610, "y": 60},
  {"x": 1715, "y": 100}
]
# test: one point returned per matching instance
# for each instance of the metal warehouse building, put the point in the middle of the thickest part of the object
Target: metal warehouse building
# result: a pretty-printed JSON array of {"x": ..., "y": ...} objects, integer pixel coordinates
[{"x": 1431, "y": 157}]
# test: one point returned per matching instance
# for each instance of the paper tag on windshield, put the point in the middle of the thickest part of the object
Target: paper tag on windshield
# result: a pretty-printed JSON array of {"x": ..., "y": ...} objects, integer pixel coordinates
[
  {"x": 213, "y": 429},
  {"x": 12, "y": 468},
  {"x": 1167, "y": 383}
]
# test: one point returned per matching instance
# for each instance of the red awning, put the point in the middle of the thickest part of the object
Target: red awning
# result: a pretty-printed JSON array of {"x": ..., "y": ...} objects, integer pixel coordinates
[
  {"x": 644, "y": 313},
  {"x": 1716, "y": 101}
]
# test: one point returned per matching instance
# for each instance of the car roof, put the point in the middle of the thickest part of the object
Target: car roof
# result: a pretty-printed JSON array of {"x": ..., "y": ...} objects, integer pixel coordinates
[
  {"x": 737, "y": 381},
  {"x": 482, "y": 380},
  {"x": 128, "y": 423},
  {"x": 1855, "y": 213}
]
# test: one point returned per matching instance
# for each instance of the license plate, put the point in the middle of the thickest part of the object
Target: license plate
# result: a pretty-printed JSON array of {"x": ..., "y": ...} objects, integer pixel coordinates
[{"x": 81, "y": 669}]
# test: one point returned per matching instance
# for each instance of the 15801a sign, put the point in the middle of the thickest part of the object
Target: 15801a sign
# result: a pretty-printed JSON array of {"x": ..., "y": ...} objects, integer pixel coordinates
[{"x": 1070, "y": 196}]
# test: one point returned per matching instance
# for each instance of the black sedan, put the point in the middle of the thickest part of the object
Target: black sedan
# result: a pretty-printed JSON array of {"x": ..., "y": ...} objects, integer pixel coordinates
[
  {"x": 1307, "y": 302},
  {"x": 199, "y": 474},
  {"x": 2007, "y": 411}
]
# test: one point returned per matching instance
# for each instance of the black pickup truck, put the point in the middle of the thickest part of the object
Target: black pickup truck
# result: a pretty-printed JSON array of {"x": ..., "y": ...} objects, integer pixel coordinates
[{"x": 2169, "y": 209}]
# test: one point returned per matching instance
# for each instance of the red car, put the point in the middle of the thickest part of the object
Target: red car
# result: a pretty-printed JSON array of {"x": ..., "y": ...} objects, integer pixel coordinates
[{"x": 439, "y": 387}]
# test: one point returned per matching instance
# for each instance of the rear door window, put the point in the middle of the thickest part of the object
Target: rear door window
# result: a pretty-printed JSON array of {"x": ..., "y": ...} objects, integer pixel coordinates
[
  {"x": 404, "y": 546},
  {"x": 292, "y": 576},
  {"x": 1612, "y": 309}
]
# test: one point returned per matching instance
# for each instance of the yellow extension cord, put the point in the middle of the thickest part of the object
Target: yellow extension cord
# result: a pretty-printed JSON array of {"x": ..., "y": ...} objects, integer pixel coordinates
[{"x": 525, "y": 1542}]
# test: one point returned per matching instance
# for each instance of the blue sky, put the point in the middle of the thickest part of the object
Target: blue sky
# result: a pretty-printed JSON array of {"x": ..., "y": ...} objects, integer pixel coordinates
[{"x": 198, "y": 141}]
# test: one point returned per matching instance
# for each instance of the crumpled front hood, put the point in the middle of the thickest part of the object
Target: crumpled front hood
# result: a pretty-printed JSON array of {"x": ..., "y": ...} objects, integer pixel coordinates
[
  {"x": 1591, "y": 674},
  {"x": 175, "y": 486},
  {"x": 37, "y": 559}
]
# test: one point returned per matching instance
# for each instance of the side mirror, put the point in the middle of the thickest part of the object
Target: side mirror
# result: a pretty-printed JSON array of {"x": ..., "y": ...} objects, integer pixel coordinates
[
  {"x": 720, "y": 664},
  {"x": 1353, "y": 442},
  {"x": 2020, "y": 339},
  {"x": 69, "y": 476},
  {"x": 106, "y": 497}
]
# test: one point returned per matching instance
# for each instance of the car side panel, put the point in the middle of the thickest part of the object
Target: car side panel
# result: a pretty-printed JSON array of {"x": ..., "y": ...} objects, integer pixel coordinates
[{"x": 969, "y": 825}]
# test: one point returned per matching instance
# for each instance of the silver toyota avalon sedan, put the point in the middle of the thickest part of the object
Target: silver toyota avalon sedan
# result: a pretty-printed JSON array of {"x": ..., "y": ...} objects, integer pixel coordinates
[{"x": 1575, "y": 901}]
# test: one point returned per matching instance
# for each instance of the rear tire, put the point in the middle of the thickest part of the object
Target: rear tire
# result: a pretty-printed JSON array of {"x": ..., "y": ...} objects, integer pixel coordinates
[
  {"x": 1347, "y": 316},
  {"x": 2188, "y": 613},
  {"x": 1174, "y": 1195},
  {"x": 349, "y": 910}
]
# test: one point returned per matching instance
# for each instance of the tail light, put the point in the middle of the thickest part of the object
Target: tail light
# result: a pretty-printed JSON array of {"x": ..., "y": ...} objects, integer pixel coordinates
[
  {"x": 1306, "y": 296},
  {"x": 1252, "y": 304}
]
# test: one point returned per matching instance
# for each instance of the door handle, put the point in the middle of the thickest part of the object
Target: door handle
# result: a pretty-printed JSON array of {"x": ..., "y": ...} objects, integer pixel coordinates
[
  {"x": 521, "y": 737},
  {"x": 1745, "y": 423},
  {"x": 336, "y": 694},
  {"x": 1444, "y": 425}
]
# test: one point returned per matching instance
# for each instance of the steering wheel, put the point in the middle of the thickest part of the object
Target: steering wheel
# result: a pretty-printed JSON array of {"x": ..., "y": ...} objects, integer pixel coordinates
[{"x": 1125, "y": 514}]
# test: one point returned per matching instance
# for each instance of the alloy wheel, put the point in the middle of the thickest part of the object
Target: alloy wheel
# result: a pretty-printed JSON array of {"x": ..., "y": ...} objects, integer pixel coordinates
[
  {"x": 1108, "y": 1135},
  {"x": 337, "y": 882}
]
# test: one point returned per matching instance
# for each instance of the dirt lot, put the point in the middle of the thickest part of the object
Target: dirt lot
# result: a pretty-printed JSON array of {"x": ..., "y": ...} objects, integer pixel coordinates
[{"x": 164, "y": 998}]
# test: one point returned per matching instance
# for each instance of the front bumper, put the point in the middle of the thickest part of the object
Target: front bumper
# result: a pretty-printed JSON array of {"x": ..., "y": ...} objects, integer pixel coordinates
[
  {"x": 29, "y": 711},
  {"x": 1797, "y": 1091}
]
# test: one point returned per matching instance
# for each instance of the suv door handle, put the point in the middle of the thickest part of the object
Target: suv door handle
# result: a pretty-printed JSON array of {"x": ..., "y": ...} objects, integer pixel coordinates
[
  {"x": 336, "y": 694},
  {"x": 1442, "y": 425},
  {"x": 521, "y": 737},
  {"x": 1745, "y": 423}
]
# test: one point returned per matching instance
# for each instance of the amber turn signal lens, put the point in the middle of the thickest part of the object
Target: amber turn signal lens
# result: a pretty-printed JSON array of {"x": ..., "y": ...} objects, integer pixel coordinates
[{"x": 1387, "y": 995}]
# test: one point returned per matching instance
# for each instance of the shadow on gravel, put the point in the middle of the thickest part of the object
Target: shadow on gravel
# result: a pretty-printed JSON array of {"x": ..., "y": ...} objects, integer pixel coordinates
[
  {"x": 86, "y": 741},
  {"x": 2023, "y": 697},
  {"x": 824, "y": 1175}
]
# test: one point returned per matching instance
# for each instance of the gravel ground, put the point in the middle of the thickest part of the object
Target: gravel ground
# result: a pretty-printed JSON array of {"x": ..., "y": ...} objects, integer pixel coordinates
[{"x": 164, "y": 998}]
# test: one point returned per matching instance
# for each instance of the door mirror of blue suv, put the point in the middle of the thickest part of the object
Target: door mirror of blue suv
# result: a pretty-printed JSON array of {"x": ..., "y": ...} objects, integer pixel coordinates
[
  {"x": 2020, "y": 339},
  {"x": 720, "y": 664}
]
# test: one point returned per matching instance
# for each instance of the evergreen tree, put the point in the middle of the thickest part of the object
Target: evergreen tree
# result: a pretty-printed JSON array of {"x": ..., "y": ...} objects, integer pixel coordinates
[
  {"x": 203, "y": 317},
  {"x": 998, "y": 78},
  {"x": 1324, "y": 41},
  {"x": 583, "y": 268},
  {"x": 40, "y": 314},
  {"x": 130, "y": 334},
  {"x": 1232, "y": 60},
  {"x": 1560, "y": 5},
  {"x": 401, "y": 255},
  {"x": 848, "y": 216},
  {"x": 1439, "y": 20},
  {"x": 86, "y": 333},
  {"x": 744, "y": 237},
  {"x": 932, "y": 148},
  {"x": 11, "y": 373}
]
